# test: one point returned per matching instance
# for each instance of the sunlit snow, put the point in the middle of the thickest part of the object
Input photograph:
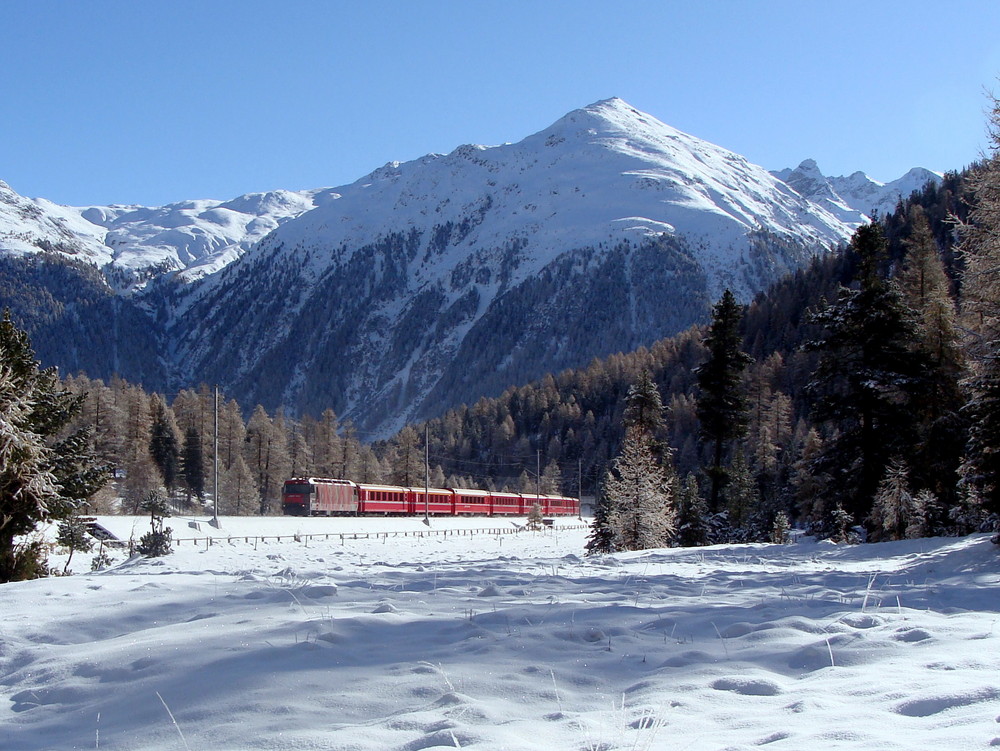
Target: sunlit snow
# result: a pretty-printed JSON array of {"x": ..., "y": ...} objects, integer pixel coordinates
[{"x": 503, "y": 641}]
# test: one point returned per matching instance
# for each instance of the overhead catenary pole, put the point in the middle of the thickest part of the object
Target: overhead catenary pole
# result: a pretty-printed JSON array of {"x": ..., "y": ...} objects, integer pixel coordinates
[
  {"x": 538, "y": 478},
  {"x": 215, "y": 462},
  {"x": 427, "y": 474}
]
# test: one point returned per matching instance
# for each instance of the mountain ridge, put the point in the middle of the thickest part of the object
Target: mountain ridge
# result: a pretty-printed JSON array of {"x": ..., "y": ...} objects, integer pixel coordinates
[{"x": 436, "y": 281}]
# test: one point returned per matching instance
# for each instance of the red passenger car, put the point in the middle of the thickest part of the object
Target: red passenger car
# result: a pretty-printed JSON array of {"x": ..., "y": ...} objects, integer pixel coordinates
[{"x": 312, "y": 496}]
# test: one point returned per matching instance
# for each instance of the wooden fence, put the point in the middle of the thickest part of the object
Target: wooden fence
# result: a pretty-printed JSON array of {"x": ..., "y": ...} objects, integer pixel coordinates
[{"x": 344, "y": 537}]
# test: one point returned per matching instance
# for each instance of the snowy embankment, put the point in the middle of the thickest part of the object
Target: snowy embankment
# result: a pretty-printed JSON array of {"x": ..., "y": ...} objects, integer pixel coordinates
[{"x": 507, "y": 642}]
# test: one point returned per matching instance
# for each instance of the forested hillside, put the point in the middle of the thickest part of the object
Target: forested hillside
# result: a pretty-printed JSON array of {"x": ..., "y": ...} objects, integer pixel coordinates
[{"x": 567, "y": 425}]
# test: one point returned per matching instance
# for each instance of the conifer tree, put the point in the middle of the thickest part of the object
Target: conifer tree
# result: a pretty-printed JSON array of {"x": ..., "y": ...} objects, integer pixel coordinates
[
  {"x": 641, "y": 513},
  {"x": 981, "y": 470},
  {"x": 408, "y": 458},
  {"x": 238, "y": 489},
  {"x": 742, "y": 500},
  {"x": 942, "y": 429},
  {"x": 551, "y": 480},
  {"x": 722, "y": 402},
  {"x": 867, "y": 381},
  {"x": 692, "y": 515},
  {"x": 981, "y": 296},
  {"x": 156, "y": 542},
  {"x": 602, "y": 537},
  {"x": 72, "y": 534},
  {"x": 163, "y": 445},
  {"x": 266, "y": 454},
  {"x": 535, "y": 518},
  {"x": 780, "y": 528},
  {"x": 840, "y": 526},
  {"x": 893, "y": 504},
  {"x": 643, "y": 405},
  {"x": 40, "y": 480},
  {"x": 192, "y": 464}
]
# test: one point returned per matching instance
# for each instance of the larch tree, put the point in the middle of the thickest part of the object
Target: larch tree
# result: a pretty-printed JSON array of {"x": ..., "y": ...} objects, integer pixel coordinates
[
  {"x": 981, "y": 308},
  {"x": 408, "y": 458},
  {"x": 942, "y": 428},
  {"x": 640, "y": 486},
  {"x": 895, "y": 509},
  {"x": 238, "y": 490},
  {"x": 266, "y": 454},
  {"x": 641, "y": 514}
]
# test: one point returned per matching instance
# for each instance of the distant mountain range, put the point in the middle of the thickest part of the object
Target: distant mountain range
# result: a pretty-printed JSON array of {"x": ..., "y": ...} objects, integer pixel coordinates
[{"x": 433, "y": 282}]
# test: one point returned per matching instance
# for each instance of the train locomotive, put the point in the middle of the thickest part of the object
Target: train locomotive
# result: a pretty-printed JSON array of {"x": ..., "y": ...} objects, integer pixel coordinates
[{"x": 320, "y": 496}]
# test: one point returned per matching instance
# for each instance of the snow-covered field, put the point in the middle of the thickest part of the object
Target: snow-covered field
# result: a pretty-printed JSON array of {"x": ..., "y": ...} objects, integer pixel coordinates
[{"x": 512, "y": 641}]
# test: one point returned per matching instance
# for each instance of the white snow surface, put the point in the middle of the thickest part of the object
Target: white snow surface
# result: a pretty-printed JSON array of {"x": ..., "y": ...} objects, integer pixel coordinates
[{"x": 503, "y": 641}]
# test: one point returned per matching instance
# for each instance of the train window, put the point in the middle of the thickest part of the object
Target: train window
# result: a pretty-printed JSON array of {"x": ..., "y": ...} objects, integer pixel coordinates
[{"x": 302, "y": 488}]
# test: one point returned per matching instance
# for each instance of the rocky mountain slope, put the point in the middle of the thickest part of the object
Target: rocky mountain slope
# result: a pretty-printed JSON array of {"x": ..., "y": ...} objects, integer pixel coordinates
[
  {"x": 856, "y": 198},
  {"x": 135, "y": 244},
  {"x": 437, "y": 281}
]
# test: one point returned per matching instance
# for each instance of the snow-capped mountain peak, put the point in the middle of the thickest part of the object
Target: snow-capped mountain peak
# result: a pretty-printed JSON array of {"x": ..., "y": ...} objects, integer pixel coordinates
[
  {"x": 442, "y": 279},
  {"x": 856, "y": 198},
  {"x": 421, "y": 271}
]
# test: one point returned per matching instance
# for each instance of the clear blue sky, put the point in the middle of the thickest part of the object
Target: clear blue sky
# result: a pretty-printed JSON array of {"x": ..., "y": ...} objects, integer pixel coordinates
[{"x": 140, "y": 102}]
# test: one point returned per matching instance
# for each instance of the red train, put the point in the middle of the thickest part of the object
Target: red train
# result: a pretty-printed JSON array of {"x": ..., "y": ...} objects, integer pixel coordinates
[{"x": 315, "y": 496}]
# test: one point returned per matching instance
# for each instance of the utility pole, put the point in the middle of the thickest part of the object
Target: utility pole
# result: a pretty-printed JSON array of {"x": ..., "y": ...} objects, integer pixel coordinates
[
  {"x": 427, "y": 473},
  {"x": 215, "y": 463},
  {"x": 538, "y": 477}
]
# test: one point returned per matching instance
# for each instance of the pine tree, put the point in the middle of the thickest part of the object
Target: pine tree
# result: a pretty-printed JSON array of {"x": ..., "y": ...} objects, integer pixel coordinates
[
  {"x": 982, "y": 468},
  {"x": 742, "y": 500},
  {"x": 602, "y": 537},
  {"x": 925, "y": 508},
  {"x": 72, "y": 534},
  {"x": 981, "y": 247},
  {"x": 867, "y": 382},
  {"x": 39, "y": 480},
  {"x": 192, "y": 464},
  {"x": 643, "y": 405},
  {"x": 551, "y": 480},
  {"x": 156, "y": 542},
  {"x": 806, "y": 488},
  {"x": 722, "y": 401},
  {"x": 408, "y": 458},
  {"x": 163, "y": 445},
  {"x": 266, "y": 454},
  {"x": 840, "y": 526},
  {"x": 692, "y": 515}
]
